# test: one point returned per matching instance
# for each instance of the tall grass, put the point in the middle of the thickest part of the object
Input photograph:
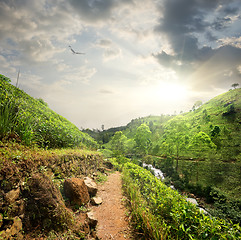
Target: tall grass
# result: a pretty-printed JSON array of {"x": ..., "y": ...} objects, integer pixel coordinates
[
  {"x": 8, "y": 118},
  {"x": 13, "y": 123}
]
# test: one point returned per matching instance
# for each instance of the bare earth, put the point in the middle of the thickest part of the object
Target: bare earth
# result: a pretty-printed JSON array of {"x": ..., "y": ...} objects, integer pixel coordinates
[{"x": 111, "y": 214}]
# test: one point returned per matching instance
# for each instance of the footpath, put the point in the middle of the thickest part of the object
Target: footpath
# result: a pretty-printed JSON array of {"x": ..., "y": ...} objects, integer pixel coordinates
[{"x": 111, "y": 214}]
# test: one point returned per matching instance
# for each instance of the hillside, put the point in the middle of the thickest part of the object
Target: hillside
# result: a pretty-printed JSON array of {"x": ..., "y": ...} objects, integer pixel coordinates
[
  {"x": 32, "y": 200},
  {"x": 31, "y": 121},
  {"x": 39, "y": 150},
  {"x": 219, "y": 118},
  {"x": 199, "y": 151}
]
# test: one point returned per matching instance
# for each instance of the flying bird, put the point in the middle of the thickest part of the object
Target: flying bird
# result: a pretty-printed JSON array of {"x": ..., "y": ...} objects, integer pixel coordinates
[{"x": 74, "y": 52}]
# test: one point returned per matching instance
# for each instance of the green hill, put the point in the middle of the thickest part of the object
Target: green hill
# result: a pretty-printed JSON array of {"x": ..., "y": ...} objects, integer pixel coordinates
[
  {"x": 30, "y": 120},
  {"x": 219, "y": 119},
  {"x": 199, "y": 151}
]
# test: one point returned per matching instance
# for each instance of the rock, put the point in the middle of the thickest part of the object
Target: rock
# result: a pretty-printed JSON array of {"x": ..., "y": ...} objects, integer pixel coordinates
[
  {"x": 12, "y": 195},
  {"x": 96, "y": 200},
  {"x": 192, "y": 200},
  {"x": 202, "y": 210},
  {"x": 16, "y": 227},
  {"x": 76, "y": 190},
  {"x": 92, "y": 219},
  {"x": 44, "y": 206},
  {"x": 13, "y": 231},
  {"x": 91, "y": 186}
]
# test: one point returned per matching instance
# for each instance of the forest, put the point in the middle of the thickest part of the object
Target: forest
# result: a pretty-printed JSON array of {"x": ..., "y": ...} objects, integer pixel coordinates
[{"x": 198, "y": 151}]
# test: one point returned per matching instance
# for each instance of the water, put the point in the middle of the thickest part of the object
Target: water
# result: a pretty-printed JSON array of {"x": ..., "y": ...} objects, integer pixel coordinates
[{"x": 157, "y": 172}]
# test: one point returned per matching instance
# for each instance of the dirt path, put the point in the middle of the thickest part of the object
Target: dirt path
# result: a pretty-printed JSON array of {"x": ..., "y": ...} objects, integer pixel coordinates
[{"x": 111, "y": 214}]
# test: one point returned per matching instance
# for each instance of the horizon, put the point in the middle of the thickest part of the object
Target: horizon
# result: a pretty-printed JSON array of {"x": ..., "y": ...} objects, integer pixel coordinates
[{"x": 140, "y": 58}]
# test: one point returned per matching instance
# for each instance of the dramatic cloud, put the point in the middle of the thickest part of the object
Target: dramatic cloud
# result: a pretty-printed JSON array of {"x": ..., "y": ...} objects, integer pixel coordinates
[
  {"x": 96, "y": 10},
  {"x": 187, "y": 24},
  {"x": 141, "y": 57}
]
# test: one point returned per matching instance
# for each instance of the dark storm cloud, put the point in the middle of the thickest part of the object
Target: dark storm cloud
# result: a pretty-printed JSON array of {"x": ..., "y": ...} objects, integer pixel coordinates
[
  {"x": 189, "y": 52},
  {"x": 231, "y": 10},
  {"x": 184, "y": 18},
  {"x": 180, "y": 17},
  {"x": 94, "y": 10},
  {"x": 221, "y": 23},
  {"x": 210, "y": 36},
  {"x": 184, "y": 23}
]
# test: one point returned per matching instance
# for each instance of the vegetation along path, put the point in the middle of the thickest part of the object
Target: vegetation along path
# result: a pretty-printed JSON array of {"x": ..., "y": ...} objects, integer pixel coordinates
[{"x": 111, "y": 214}]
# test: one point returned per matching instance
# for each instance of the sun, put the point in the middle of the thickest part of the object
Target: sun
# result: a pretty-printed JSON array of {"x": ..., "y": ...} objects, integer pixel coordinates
[{"x": 171, "y": 91}]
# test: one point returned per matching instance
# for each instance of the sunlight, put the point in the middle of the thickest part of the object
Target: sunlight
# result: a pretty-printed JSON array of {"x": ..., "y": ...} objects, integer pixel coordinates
[{"x": 171, "y": 91}]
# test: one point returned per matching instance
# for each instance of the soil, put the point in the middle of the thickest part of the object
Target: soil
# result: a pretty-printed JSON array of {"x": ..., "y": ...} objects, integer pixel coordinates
[{"x": 111, "y": 214}]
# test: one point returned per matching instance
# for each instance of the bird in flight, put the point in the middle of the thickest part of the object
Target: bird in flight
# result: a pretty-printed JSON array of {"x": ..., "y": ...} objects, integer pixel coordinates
[{"x": 73, "y": 51}]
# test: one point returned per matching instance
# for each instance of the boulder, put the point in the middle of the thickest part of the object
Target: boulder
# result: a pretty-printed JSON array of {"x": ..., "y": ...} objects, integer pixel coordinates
[
  {"x": 91, "y": 186},
  {"x": 96, "y": 200},
  {"x": 76, "y": 190}
]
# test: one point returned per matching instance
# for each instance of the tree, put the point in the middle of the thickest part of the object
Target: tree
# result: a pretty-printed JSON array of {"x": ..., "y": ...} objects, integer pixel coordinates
[
  {"x": 234, "y": 85},
  {"x": 143, "y": 138},
  {"x": 176, "y": 139},
  {"x": 118, "y": 143}
]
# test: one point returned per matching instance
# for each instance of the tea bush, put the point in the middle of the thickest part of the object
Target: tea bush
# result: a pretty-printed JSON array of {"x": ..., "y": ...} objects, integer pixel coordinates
[
  {"x": 33, "y": 121},
  {"x": 162, "y": 213}
]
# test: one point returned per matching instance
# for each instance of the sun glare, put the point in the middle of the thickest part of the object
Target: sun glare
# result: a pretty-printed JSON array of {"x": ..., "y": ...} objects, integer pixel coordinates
[{"x": 171, "y": 91}]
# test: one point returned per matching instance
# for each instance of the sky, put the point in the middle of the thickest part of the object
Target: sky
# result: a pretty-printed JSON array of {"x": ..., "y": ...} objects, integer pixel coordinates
[{"x": 141, "y": 58}]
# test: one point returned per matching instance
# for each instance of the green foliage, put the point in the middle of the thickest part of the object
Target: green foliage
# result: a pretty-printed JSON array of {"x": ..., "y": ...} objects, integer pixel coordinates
[
  {"x": 235, "y": 85},
  {"x": 197, "y": 104},
  {"x": 161, "y": 213},
  {"x": 175, "y": 139},
  {"x": 3, "y": 78},
  {"x": 42, "y": 101},
  {"x": 118, "y": 143},
  {"x": 101, "y": 177},
  {"x": 32, "y": 121},
  {"x": 201, "y": 143},
  {"x": 143, "y": 138},
  {"x": 106, "y": 153}
]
